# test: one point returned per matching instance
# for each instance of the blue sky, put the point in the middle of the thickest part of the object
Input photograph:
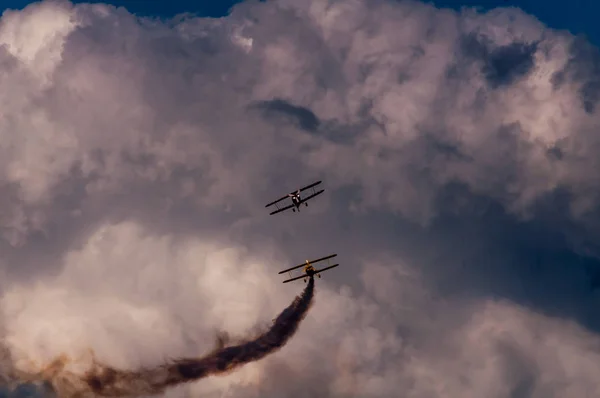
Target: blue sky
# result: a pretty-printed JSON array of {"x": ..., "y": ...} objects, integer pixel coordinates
[{"x": 577, "y": 16}]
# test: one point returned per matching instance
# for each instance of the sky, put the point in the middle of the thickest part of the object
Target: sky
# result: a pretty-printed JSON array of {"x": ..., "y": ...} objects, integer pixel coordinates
[
  {"x": 457, "y": 150},
  {"x": 578, "y": 17}
]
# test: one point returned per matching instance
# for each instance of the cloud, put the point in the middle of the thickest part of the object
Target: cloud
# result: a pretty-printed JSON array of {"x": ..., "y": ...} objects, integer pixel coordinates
[{"x": 457, "y": 152}]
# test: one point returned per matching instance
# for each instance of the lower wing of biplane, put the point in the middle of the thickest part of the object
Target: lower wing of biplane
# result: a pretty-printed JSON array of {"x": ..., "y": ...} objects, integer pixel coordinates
[
  {"x": 309, "y": 263},
  {"x": 282, "y": 209},
  {"x": 306, "y": 275},
  {"x": 279, "y": 210}
]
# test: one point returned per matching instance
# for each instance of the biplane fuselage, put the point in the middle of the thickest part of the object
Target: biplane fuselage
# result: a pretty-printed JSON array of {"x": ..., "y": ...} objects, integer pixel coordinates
[
  {"x": 309, "y": 270},
  {"x": 297, "y": 201}
]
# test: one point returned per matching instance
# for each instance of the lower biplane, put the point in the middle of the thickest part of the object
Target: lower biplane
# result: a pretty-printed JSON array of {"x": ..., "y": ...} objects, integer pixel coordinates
[
  {"x": 296, "y": 199},
  {"x": 309, "y": 270}
]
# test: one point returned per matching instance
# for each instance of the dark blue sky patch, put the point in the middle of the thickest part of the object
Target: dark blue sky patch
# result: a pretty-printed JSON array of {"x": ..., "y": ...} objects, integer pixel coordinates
[
  {"x": 474, "y": 249},
  {"x": 555, "y": 153},
  {"x": 506, "y": 64},
  {"x": 579, "y": 16},
  {"x": 500, "y": 65},
  {"x": 530, "y": 262},
  {"x": 163, "y": 9},
  {"x": 303, "y": 117},
  {"x": 446, "y": 149},
  {"x": 278, "y": 110},
  {"x": 26, "y": 390},
  {"x": 586, "y": 63},
  {"x": 583, "y": 67}
]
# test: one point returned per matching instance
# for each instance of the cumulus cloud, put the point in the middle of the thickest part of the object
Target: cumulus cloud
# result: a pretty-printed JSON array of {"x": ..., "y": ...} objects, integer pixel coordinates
[{"x": 457, "y": 152}]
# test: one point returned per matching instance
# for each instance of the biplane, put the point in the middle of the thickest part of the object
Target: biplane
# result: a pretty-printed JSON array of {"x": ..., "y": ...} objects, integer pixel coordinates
[
  {"x": 309, "y": 270},
  {"x": 296, "y": 199}
]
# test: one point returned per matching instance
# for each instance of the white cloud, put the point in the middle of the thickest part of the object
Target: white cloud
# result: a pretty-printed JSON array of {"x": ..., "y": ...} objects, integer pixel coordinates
[
  {"x": 136, "y": 159},
  {"x": 137, "y": 298},
  {"x": 35, "y": 36}
]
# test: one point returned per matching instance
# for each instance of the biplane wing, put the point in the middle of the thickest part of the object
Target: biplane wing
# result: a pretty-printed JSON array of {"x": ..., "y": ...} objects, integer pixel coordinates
[
  {"x": 295, "y": 279},
  {"x": 299, "y": 190},
  {"x": 310, "y": 186},
  {"x": 326, "y": 268},
  {"x": 312, "y": 196},
  {"x": 310, "y": 261},
  {"x": 277, "y": 201},
  {"x": 291, "y": 269},
  {"x": 280, "y": 210},
  {"x": 306, "y": 275}
]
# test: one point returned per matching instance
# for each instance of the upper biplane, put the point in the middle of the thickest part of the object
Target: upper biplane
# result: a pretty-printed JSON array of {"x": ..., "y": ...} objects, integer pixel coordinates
[
  {"x": 296, "y": 199},
  {"x": 309, "y": 270}
]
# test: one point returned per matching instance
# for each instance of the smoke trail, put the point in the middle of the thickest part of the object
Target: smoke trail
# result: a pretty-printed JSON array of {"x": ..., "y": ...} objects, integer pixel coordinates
[{"x": 107, "y": 381}]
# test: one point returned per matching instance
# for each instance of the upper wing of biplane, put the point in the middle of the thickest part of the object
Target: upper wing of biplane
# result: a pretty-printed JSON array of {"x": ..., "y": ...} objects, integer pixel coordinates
[
  {"x": 277, "y": 201},
  {"x": 312, "y": 196},
  {"x": 291, "y": 193},
  {"x": 305, "y": 275},
  {"x": 310, "y": 186},
  {"x": 310, "y": 261}
]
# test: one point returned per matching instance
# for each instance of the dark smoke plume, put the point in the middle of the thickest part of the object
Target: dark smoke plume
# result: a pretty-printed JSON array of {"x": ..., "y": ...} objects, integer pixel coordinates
[{"x": 107, "y": 381}]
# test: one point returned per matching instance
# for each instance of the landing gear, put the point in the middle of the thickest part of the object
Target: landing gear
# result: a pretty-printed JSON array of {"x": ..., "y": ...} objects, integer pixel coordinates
[
  {"x": 294, "y": 210},
  {"x": 305, "y": 204}
]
